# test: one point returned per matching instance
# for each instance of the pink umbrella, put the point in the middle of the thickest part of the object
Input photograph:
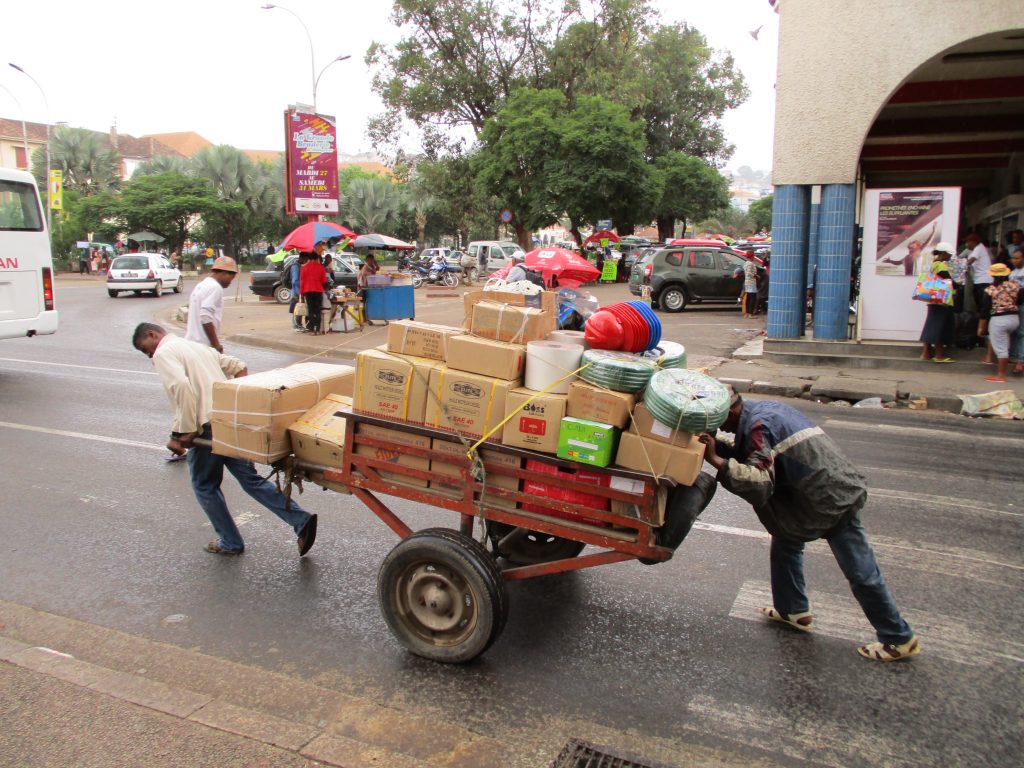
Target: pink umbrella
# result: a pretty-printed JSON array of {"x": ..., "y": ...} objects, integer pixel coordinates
[{"x": 570, "y": 269}]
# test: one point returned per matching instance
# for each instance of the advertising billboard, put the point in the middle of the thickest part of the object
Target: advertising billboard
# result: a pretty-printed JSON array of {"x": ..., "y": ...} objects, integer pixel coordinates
[
  {"x": 901, "y": 226},
  {"x": 311, "y": 163}
]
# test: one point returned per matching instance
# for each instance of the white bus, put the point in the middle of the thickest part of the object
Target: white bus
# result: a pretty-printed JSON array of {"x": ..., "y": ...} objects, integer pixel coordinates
[{"x": 26, "y": 266}]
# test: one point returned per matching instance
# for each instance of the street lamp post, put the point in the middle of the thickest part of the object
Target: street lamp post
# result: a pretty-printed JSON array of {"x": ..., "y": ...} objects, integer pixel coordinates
[
  {"x": 46, "y": 103},
  {"x": 312, "y": 56}
]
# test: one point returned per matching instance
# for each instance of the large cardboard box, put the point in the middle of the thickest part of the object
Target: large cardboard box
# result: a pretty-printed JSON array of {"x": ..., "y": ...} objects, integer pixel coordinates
[
  {"x": 396, "y": 456},
  {"x": 392, "y": 386},
  {"x": 408, "y": 337},
  {"x": 251, "y": 415},
  {"x": 445, "y": 469},
  {"x": 486, "y": 357},
  {"x": 645, "y": 425},
  {"x": 533, "y": 425},
  {"x": 587, "y": 442},
  {"x": 318, "y": 436},
  {"x": 643, "y": 454},
  {"x": 595, "y": 404},
  {"x": 467, "y": 403},
  {"x": 546, "y": 300},
  {"x": 504, "y": 322}
]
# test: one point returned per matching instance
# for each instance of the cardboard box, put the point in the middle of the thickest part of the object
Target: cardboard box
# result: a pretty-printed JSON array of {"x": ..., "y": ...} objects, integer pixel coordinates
[
  {"x": 250, "y": 416},
  {"x": 504, "y": 322},
  {"x": 392, "y": 386},
  {"x": 546, "y": 300},
  {"x": 488, "y": 358},
  {"x": 643, "y": 454},
  {"x": 534, "y": 425},
  {"x": 408, "y": 337},
  {"x": 318, "y": 436},
  {"x": 445, "y": 469},
  {"x": 396, "y": 457},
  {"x": 587, "y": 442},
  {"x": 467, "y": 403},
  {"x": 645, "y": 425},
  {"x": 595, "y": 404}
]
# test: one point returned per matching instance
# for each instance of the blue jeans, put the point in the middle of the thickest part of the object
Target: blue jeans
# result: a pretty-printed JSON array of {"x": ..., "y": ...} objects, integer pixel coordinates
[
  {"x": 852, "y": 551},
  {"x": 207, "y": 471}
]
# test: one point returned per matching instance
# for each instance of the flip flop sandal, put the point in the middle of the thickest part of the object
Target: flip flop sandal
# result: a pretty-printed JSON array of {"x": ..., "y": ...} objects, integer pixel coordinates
[
  {"x": 886, "y": 652},
  {"x": 944, "y": 360},
  {"x": 800, "y": 621},
  {"x": 995, "y": 379}
]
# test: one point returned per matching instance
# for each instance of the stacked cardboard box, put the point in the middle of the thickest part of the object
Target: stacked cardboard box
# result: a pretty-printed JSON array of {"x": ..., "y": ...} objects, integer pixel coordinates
[
  {"x": 392, "y": 386},
  {"x": 467, "y": 403},
  {"x": 445, "y": 469},
  {"x": 408, "y": 337},
  {"x": 251, "y": 415},
  {"x": 318, "y": 437}
]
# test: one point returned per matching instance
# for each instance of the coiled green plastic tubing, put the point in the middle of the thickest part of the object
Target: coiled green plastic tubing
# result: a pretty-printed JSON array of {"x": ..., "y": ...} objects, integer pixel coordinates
[{"x": 687, "y": 400}]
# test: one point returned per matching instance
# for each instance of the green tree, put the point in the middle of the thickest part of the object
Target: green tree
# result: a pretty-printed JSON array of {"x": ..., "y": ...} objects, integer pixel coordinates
[
  {"x": 460, "y": 208},
  {"x": 420, "y": 201},
  {"x": 372, "y": 205},
  {"x": 85, "y": 157},
  {"x": 164, "y": 164},
  {"x": 229, "y": 172},
  {"x": 730, "y": 221},
  {"x": 168, "y": 204},
  {"x": 760, "y": 213},
  {"x": 688, "y": 189}
]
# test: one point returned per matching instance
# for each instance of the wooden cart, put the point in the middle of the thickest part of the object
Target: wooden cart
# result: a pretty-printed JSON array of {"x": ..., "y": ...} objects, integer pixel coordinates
[{"x": 441, "y": 591}]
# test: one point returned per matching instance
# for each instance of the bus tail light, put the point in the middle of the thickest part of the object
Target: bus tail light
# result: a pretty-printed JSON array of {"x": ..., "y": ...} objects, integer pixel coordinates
[{"x": 47, "y": 289}]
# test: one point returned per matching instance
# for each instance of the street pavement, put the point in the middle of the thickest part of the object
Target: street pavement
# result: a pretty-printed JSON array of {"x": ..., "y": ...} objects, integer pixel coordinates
[{"x": 181, "y": 658}]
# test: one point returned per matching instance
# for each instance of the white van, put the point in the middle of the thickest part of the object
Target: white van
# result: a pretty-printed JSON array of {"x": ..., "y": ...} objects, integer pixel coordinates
[
  {"x": 498, "y": 252},
  {"x": 26, "y": 267}
]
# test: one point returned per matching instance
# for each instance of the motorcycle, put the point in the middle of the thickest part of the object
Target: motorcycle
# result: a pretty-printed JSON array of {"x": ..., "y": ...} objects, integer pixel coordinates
[{"x": 437, "y": 273}]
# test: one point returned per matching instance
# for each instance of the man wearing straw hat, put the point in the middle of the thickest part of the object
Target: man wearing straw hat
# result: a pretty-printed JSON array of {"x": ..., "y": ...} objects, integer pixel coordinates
[{"x": 803, "y": 488}]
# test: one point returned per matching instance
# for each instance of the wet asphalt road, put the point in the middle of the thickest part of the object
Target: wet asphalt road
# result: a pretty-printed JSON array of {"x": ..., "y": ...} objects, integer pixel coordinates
[{"x": 108, "y": 533}]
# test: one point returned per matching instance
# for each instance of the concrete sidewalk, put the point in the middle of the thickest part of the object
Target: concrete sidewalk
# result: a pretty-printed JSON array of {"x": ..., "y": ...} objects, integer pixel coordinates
[{"x": 256, "y": 323}]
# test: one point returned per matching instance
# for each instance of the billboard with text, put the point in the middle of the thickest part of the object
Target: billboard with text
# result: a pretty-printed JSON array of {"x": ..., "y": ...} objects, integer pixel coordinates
[{"x": 311, "y": 160}]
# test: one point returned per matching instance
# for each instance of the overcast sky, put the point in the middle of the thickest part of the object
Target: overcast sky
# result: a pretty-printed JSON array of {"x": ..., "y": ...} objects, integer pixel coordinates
[{"x": 226, "y": 69}]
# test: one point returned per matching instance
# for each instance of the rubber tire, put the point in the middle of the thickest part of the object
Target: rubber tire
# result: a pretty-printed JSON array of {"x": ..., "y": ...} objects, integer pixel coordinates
[
  {"x": 450, "y": 279},
  {"x": 179, "y": 286},
  {"x": 452, "y": 556},
  {"x": 282, "y": 295},
  {"x": 417, "y": 281},
  {"x": 536, "y": 547},
  {"x": 113, "y": 294},
  {"x": 159, "y": 290},
  {"x": 673, "y": 299}
]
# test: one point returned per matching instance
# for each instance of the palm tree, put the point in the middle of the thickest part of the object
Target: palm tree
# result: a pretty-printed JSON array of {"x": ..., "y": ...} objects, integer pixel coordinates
[
  {"x": 422, "y": 202},
  {"x": 164, "y": 164},
  {"x": 372, "y": 204},
  {"x": 230, "y": 173},
  {"x": 85, "y": 157}
]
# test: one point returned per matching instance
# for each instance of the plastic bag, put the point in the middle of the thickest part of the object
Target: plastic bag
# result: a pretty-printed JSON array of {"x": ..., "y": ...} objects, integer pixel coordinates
[
  {"x": 1002, "y": 404},
  {"x": 932, "y": 289}
]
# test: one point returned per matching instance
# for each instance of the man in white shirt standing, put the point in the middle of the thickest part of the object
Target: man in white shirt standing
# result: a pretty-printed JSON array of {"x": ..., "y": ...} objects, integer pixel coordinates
[
  {"x": 978, "y": 261},
  {"x": 188, "y": 371},
  {"x": 206, "y": 304}
]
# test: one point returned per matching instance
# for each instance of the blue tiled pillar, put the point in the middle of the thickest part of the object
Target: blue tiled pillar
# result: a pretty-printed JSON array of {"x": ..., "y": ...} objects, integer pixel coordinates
[
  {"x": 787, "y": 288},
  {"x": 835, "y": 256}
]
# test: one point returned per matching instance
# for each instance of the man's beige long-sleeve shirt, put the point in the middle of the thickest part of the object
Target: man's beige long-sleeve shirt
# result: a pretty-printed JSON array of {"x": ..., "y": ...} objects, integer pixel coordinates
[{"x": 188, "y": 371}]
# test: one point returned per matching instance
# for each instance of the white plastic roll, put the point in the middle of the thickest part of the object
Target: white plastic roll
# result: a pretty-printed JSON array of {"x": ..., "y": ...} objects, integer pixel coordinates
[
  {"x": 568, "y": 337},
  {"x": 548, "y": 361}
]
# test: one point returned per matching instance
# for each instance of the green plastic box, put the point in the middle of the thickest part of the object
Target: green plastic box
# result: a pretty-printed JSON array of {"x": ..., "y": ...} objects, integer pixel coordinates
[{"x": 588, "y": 442}]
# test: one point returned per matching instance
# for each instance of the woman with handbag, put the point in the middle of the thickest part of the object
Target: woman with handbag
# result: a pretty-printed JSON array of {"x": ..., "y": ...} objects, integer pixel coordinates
[
  {"x": 940, "y": 322},
  {"x": 1000, "y": 308}
]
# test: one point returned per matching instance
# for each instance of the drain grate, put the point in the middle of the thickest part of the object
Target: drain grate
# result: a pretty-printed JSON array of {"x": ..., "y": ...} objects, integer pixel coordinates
[{"x": 582, "y": 754}]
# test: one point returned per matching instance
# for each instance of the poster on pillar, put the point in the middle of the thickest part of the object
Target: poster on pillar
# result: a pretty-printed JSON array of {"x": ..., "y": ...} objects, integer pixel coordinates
[{"x": 901, "y": 226}]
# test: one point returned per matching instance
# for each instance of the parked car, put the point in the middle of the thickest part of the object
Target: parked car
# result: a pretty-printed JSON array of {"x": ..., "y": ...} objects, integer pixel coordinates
[
  {"x": 499, "y": 253},
  {"x": 694, "y": 271},
  {"x": 267, "y": 282},
  {"x": 138, "y": 272}
]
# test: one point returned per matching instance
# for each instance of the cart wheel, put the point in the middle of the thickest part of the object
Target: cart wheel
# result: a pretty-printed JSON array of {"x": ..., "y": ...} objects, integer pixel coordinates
[
  {"x": 442, "y": 595},
  {"x": 534, "y": 547}
]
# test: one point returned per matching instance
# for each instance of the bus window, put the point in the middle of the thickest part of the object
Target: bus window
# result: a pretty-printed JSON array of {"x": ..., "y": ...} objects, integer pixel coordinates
[{"x": 19, "y": 211}]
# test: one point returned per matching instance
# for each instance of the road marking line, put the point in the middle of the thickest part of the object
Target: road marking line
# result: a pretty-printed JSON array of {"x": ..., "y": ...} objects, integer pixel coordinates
[
  {"x": 946, "y": 501},
  {"x": 1011, "y": 442},
  {"x": 967, "y": 563},
  {"x": 71, "y": 365},
  {"x": 84, "y": 436},
  {"x": 841, "y": 617}
]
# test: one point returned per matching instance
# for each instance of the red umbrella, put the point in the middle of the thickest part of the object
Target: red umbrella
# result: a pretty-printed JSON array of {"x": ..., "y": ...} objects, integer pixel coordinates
[
  {"x": 305, "y": 236},
  {"x": 570, "y": 268},
  {"x": 601, "y": 234}
]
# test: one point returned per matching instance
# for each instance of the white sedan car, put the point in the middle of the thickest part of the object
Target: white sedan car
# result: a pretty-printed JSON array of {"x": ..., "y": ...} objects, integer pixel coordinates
[{"x": 138, "y": 272}]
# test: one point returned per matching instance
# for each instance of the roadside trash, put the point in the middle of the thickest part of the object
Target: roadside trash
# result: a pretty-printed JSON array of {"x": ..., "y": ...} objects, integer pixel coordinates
[
  {"x": 1002, "y": 404},
  {"x": 869, "y": 402},
  {"x": 840, "y": 403},
  {"x": 918, "y": 404}
]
